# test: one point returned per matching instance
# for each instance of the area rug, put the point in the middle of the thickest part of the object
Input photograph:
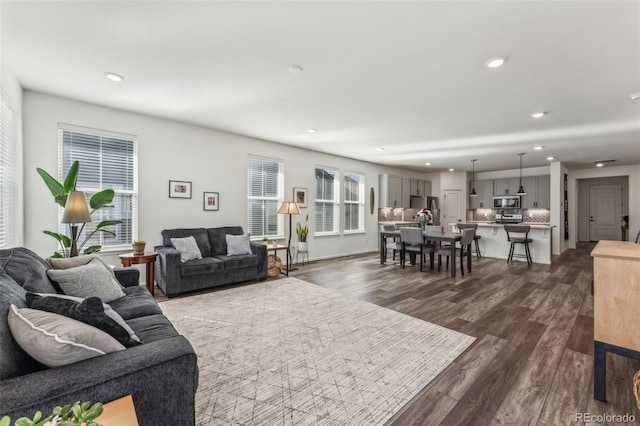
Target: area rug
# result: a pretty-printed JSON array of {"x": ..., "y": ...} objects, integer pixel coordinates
[{"x": 286, "y": 352}]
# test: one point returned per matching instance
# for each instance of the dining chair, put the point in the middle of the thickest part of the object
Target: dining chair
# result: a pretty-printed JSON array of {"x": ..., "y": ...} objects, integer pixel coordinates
[
  {"x": 462, "y": 226},
  {"x": 393, "y": 243},
  {"x": 464, "y": 250},
  {"x": 518, "y": 239},
  {"x": 413, "y": 241}
]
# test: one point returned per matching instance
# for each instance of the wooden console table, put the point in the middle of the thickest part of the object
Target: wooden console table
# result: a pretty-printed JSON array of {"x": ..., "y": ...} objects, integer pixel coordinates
[
  {"x": 148, "y": 259},
  {"x": 120, "y": 412},
  {"x": 616, "y": 303}
]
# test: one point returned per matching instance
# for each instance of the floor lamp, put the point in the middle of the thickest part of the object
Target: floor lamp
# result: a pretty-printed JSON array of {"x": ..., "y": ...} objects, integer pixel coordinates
[
  {"x": 290, "y": 208},
  {"x": 75, "y": 211}
]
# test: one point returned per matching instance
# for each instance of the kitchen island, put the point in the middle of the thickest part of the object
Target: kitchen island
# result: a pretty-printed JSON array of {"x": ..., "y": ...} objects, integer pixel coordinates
[{"x": 494, "y": 241}]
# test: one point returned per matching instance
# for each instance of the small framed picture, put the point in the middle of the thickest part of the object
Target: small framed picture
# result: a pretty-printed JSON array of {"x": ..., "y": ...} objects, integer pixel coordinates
[
  {"x": 179, "y": 189},
  {"x": 300, "y": 196},
  {"x": 211, "y": 201}
]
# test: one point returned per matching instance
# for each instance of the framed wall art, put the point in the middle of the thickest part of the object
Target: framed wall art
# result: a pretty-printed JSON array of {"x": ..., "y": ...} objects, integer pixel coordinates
[
  {"x": 300, "y": 196},
  {"x": 179, "y": 189},
  {"x": 211, "y": 201}
]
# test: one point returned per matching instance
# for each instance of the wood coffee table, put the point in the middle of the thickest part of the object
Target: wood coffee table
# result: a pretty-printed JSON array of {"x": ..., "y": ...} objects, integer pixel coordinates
[
  {"x": 120, "y": 412},
  {"x": 135, "y": 259}
]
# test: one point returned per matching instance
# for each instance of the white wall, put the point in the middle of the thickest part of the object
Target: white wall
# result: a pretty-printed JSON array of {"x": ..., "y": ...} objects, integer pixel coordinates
[
  {"x": 12, "y": 90},
  {"x": 212, "y": 160}
]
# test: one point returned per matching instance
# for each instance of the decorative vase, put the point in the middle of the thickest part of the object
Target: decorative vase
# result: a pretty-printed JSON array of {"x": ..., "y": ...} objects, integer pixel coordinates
[
  {"x": 302, "y": 246},
  {"x": 138, "y": 248}
]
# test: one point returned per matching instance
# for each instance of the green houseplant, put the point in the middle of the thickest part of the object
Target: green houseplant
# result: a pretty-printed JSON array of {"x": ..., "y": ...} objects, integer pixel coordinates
[
  {"x": 99, "y": 200},
  {"x": 303, "y": 232},
  {"x": 78, "y": 414}
]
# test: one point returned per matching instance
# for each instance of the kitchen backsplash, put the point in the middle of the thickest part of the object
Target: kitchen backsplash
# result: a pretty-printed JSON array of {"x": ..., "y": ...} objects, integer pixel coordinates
[
  {"x": 396, "y": 215},
  {"x": 528, "y": 215}
]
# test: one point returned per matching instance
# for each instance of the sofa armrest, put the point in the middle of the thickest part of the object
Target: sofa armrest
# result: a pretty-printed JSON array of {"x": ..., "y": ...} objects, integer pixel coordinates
[
  {"x": 128, "y": 277},
  {"x": 261, "y": 251},
  {"x": 162, "y": 377},
  {"x": 167, "y": 268}
]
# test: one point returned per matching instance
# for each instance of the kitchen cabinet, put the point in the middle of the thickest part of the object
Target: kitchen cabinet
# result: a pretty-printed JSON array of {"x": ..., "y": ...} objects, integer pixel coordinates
[
  {"x": 427, "y": 188},
  {"x": 390, "y": 188},
  {"x": 406, "y": 193},
  {"x": 484, "y": 200},
  {"x": 505, "y": 186},
  {"x": 418, "y": 187},
  {"x": 537, "y": 190}
]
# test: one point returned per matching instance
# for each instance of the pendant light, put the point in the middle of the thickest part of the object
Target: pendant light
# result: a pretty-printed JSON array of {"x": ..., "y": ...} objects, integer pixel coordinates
[
  {"x": 521, "y": 189},
  {"x": 473, "y": 179}
]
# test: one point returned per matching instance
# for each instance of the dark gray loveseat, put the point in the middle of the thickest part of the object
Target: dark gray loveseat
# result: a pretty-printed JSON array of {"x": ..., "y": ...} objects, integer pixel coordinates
[
  {"x": 214, "y": 269},
  {"x": 161, "y": 374}
]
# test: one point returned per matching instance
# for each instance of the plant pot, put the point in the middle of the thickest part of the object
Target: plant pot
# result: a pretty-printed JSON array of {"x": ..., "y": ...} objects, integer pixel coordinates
[
  {"x": 303, "y": 246},
  {"x": 138, "y": 248}
]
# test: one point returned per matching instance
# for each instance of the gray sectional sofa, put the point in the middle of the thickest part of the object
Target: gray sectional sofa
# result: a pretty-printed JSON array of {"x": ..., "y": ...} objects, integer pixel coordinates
[
  {"x": 161, "y": 374},
  {"x": 214, "y": 269}
]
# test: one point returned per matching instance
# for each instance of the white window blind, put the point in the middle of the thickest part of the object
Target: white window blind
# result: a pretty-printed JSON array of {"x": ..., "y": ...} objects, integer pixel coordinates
[
  {"x": 265, "y": 188},
  {"x": 327, "y": 201},
  {"x": 9, "y": 175},
  {"x": 107, "y": 160},
  {"x": 353, "y": 202}
]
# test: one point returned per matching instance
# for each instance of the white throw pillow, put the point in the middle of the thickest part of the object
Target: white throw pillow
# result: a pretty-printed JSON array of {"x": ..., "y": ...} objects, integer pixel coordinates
[
  {"x": 238, "y": 244},
  {"x": 72, "y": 262},
  {"x": 91, "y": 280},
  {"x": 187, "y": 247},
  {"x": 55, "y": 340}
]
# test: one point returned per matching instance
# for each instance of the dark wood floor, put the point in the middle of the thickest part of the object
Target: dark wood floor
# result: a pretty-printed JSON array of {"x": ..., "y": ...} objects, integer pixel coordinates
[{"x": 532, "y": 361}]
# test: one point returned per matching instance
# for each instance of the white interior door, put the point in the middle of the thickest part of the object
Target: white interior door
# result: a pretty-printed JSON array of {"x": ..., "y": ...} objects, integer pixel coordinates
[
  {"x": 453, "y": 207},
  {"x": 605, "y": 207}
]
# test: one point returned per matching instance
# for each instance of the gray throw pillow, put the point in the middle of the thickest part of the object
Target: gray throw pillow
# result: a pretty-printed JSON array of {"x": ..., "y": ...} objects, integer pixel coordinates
[
  {"x": 72, "y": 262},
  {"x": 89, "y": 311},
  {"x": 238, "y": 244},
  {"x": 187, "y": 247},
  {"x": 56, "y": 340},
  {"x": 90, "y": 280},
  {"x": 108, "y": 311}
]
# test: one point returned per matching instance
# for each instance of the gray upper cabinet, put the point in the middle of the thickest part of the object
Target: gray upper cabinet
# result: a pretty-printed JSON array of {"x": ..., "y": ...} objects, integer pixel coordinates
[
  {"x": 390, "y": 191},
  {"x": 484, "y": 200},
  {"x": 406, "y": 192},
  {"x": 506, "y": 186},
  {"x": 537, "y": 192},
  {"x": 418, "y": 187}
]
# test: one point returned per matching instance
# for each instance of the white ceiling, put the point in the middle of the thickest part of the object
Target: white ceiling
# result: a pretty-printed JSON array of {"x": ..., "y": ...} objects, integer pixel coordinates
[{"x": 408, "y": 77}]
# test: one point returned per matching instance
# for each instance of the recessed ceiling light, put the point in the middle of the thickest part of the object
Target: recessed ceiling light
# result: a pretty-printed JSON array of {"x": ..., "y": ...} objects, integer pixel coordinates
[
  {"x": 635, "y": 96},
  {"x": 538, "y": 114},
  {"x": 538, "y": 148},
  {"x": 599, "y": 164},
  {"x": 451, "y": 170},
  {"x": 380, "y": 149},
  {"x": 113, "y": 76},
  {"x": 427, "y": 164},
  {"x": 312, "y": 130},
  {"x": 295, "y": 69},
  {"x": 495, "y": 62},
  {"x": 550, "y": 158}
]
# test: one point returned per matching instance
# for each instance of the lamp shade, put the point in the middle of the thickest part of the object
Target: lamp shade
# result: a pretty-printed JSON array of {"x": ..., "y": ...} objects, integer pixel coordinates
[
  {"x": 289, "y": 207},
  {"x": 76, "y": 210}
]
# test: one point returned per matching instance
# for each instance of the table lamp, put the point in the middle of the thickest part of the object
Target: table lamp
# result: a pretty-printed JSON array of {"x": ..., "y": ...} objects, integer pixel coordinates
[
  {"x": 75, "y": 211},
  {"x": 290, "y": 208}
]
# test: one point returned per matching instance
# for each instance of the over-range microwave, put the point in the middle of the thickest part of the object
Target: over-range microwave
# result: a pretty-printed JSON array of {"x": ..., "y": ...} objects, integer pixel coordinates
[{"x": 506, "y": 202}]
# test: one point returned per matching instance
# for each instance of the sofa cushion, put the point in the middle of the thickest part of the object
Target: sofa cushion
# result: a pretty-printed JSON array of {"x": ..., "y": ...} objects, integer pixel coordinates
[
  {"x": 27, "y": 269},
  {"x": 90, "y": 280},
  {"x": 89, "y": 311},
  {"x": 239, "y": 262},
  {"x": 200, "y": 234},
  {"x": 151, "y": 328},
  {"x": 14, "y": 360},
  {"x": 201, "y": 266},
  {"x": 238, "y": 244},
  {"x": 187, "y": 247},
  {"x": 137, "y": 303},
  {"x": 56, "y": 340},
  {"x": 217, "y": 238}
]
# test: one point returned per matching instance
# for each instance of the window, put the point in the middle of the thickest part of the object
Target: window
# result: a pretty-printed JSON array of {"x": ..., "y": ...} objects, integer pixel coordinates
[
  {"x": 353, "y": 202},
  {"x": 107, "y": 160},
  {"x": 9, "y": 163},
  {"x": 265, "y": 188},
  {"x": 327, "y": 201}
]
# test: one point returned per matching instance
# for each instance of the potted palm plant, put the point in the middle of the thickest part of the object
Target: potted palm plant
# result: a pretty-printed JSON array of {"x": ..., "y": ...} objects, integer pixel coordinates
[{"x": 303, "y": 232}]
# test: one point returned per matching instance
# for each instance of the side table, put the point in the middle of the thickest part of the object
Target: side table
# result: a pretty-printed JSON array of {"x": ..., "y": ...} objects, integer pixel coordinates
[
  {"x": 136, "y": 259},
  {"x": 275, "y": 249}
]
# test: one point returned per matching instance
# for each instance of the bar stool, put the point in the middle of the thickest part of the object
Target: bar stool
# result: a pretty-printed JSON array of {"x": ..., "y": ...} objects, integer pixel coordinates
[
  {"x": 476, "y": 237},
  {"x": 518, "y": 229}
]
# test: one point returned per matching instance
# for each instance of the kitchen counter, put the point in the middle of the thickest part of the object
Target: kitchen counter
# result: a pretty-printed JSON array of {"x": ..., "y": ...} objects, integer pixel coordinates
[{"x": 494, "y": 241}]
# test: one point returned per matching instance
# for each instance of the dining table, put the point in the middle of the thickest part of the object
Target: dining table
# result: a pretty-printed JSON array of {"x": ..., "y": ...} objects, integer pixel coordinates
[{"x": 450, "y": 237}]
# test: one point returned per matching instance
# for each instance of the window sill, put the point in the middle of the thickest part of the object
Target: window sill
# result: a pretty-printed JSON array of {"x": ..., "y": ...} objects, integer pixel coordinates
[
  {"x": 327, "y": 234},
  {"x": 358, "y": 232}
]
